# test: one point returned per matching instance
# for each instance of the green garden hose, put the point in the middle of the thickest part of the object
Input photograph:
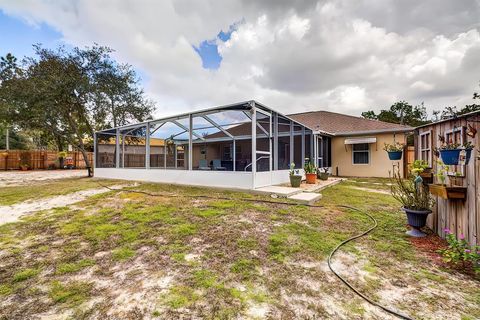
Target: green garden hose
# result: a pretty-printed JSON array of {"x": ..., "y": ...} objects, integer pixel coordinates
[{"x": 351, "y": 287}]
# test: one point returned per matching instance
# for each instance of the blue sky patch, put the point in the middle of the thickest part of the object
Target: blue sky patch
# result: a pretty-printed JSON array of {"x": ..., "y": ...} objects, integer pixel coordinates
[
  {"x": 18, "y": 36},
  {"x": 208, "y": 49}
]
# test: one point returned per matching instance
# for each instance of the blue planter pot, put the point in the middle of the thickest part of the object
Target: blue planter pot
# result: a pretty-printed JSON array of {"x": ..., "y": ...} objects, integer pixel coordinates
[
  {"x": 395, "y": 155},
  {"x": 450, "y": 157},
  {"x": 416, "y": 219},
  {"x": 468, "y": 155}
]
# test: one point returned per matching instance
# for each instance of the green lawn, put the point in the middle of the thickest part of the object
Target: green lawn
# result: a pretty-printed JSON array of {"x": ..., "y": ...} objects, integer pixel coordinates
[{"x": 131, "y": 255}]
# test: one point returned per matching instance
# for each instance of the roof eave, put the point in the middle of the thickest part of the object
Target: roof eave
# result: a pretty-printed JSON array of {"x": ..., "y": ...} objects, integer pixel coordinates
[
  {"x": 470, "y": 114},
  {"x": 356, "y": 133}
]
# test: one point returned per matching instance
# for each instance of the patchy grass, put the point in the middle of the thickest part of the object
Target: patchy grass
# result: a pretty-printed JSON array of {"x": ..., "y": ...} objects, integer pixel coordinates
[
  {"x": 244, "y": 267},
  {"x": 128, "y": 255},
  {"x": 122, "y": 254},
  {"x": 180, "y": 297},
  {"x": 73, "y": 293},
  {"x": 15, "y": 194},
  {"x": 25, "y": 274},
  {"x": 5, "y": 289},
  {"x": 64, "y": 268}
]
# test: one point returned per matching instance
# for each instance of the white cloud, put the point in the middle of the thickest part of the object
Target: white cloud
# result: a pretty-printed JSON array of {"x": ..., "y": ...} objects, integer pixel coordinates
[{"x": 291, "y": 55}]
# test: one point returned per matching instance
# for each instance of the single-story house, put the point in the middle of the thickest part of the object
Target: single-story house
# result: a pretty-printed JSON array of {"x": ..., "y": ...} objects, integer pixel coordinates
[
  {"x": 243, "y": 145},
  {"x": 354, "y": 145},
  {"x": 458, "y": 208}
]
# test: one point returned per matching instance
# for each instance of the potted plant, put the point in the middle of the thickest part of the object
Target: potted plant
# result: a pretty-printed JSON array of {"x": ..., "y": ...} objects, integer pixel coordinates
[
  {"x": 61, "y": 158},
  {"x": 295, "y": 176},
  {"x": 394, "y": 150},
  {"x": 310, "y": 172},
  {"x": 443, "y": 190},
  {"x": 450, "y": 152},
  {"x": 415, "y": 199},
  {"x": 322, "y": 173},
  {"x": 24, "y": 160}
]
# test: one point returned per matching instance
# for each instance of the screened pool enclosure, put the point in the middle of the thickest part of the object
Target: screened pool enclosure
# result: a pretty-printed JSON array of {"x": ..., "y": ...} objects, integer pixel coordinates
[{"x": 244, "y": 145}]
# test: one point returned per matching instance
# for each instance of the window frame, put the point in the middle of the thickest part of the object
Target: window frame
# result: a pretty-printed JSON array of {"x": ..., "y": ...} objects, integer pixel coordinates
[
  {"x": 421, "y": 149},
  {"x": 356, "y": 151},
  {"x": 452, "y": 132}
]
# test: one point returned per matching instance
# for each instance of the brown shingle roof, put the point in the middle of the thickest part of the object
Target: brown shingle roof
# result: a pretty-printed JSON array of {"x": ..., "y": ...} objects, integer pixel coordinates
[{"x": 342, "y": 124}]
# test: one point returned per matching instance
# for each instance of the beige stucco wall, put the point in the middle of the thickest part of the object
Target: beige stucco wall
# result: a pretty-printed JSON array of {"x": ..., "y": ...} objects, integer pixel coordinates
[{"x": 379, "y": 165}]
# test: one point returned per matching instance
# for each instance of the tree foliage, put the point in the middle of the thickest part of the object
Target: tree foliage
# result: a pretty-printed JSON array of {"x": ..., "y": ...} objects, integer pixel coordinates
[
  {"x": 16, "y": 140},
  {"x": 68, "y": 95},
  {"x": 449, "y": 112},
  {"x": 402, "y": 113}
]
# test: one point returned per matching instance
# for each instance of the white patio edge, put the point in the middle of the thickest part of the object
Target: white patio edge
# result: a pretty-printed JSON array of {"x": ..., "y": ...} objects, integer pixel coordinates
[{"x": 221, "y": 179}]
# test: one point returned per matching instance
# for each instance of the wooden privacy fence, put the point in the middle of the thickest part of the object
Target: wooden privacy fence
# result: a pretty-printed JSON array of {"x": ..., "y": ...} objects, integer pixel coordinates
[
  {"x": 408, "y": 160},
  {"x": 39, "y": 159},
  {"x": 461, "y": 216}
]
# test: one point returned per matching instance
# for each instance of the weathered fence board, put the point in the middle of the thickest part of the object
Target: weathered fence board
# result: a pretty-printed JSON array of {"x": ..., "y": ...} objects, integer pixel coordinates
[{"x": 39, "y": 159}]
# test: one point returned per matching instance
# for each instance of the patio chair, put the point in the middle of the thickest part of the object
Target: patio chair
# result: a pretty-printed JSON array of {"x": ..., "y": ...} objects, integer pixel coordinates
[
  {"x": 203, "y": 165},
  {"x": 217, "y": 165}
]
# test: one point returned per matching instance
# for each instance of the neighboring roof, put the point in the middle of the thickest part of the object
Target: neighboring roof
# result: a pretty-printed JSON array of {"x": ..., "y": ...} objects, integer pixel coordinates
[
  {"x": 341, "y": 124},
  {"x": 470, "y": 114},
  {"x": 156, "y": 142}
]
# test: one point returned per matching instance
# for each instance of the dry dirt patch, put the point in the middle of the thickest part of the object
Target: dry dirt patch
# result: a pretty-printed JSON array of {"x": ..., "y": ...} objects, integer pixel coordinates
[
  {"x": 17, "y": 178},
  {"x": 14, "y": 212}
]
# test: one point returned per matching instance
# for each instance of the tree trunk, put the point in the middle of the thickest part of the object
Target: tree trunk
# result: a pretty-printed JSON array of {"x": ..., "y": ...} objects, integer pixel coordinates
[
  {"x": 7, "y": 140},
  {"x": 87, "y": 162}
]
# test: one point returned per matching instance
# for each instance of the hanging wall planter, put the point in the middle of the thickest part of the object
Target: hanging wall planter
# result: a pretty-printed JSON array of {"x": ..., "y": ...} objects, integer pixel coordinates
[
  {"x": 450, "y": 157},
  {"x": 468, "y": 155},
  {"x": 427, "y": 177},
  {"x": 448, "y": 192},
  {"x": 394, "y": 150},
  {"x": 395, "y": 155}
]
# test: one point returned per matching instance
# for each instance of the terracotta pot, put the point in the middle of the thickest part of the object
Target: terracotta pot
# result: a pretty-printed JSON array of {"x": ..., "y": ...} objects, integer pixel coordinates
[{"x": 311, "y": 178}]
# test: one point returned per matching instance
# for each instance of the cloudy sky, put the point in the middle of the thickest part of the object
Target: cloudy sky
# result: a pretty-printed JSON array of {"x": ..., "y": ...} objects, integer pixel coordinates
[{"x": 338, "y": 55}]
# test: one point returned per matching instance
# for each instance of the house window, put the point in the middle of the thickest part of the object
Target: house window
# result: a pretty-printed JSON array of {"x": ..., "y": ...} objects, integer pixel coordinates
[
  {"x": 361, "y": 153},
  {"x": 454, "y": 136},
  {"x": 426, "y": 147}
]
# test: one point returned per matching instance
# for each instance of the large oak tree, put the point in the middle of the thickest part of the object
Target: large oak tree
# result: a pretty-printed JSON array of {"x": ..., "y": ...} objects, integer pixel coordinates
[{"x": 70, "y": 94}]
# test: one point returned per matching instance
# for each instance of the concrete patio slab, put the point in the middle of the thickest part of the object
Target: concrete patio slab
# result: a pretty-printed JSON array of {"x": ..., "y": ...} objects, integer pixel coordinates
[
  {"x": 306, "y": 197},
  {"x": 321, "y": 184},
  {"x": 279, "y": 191}
]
